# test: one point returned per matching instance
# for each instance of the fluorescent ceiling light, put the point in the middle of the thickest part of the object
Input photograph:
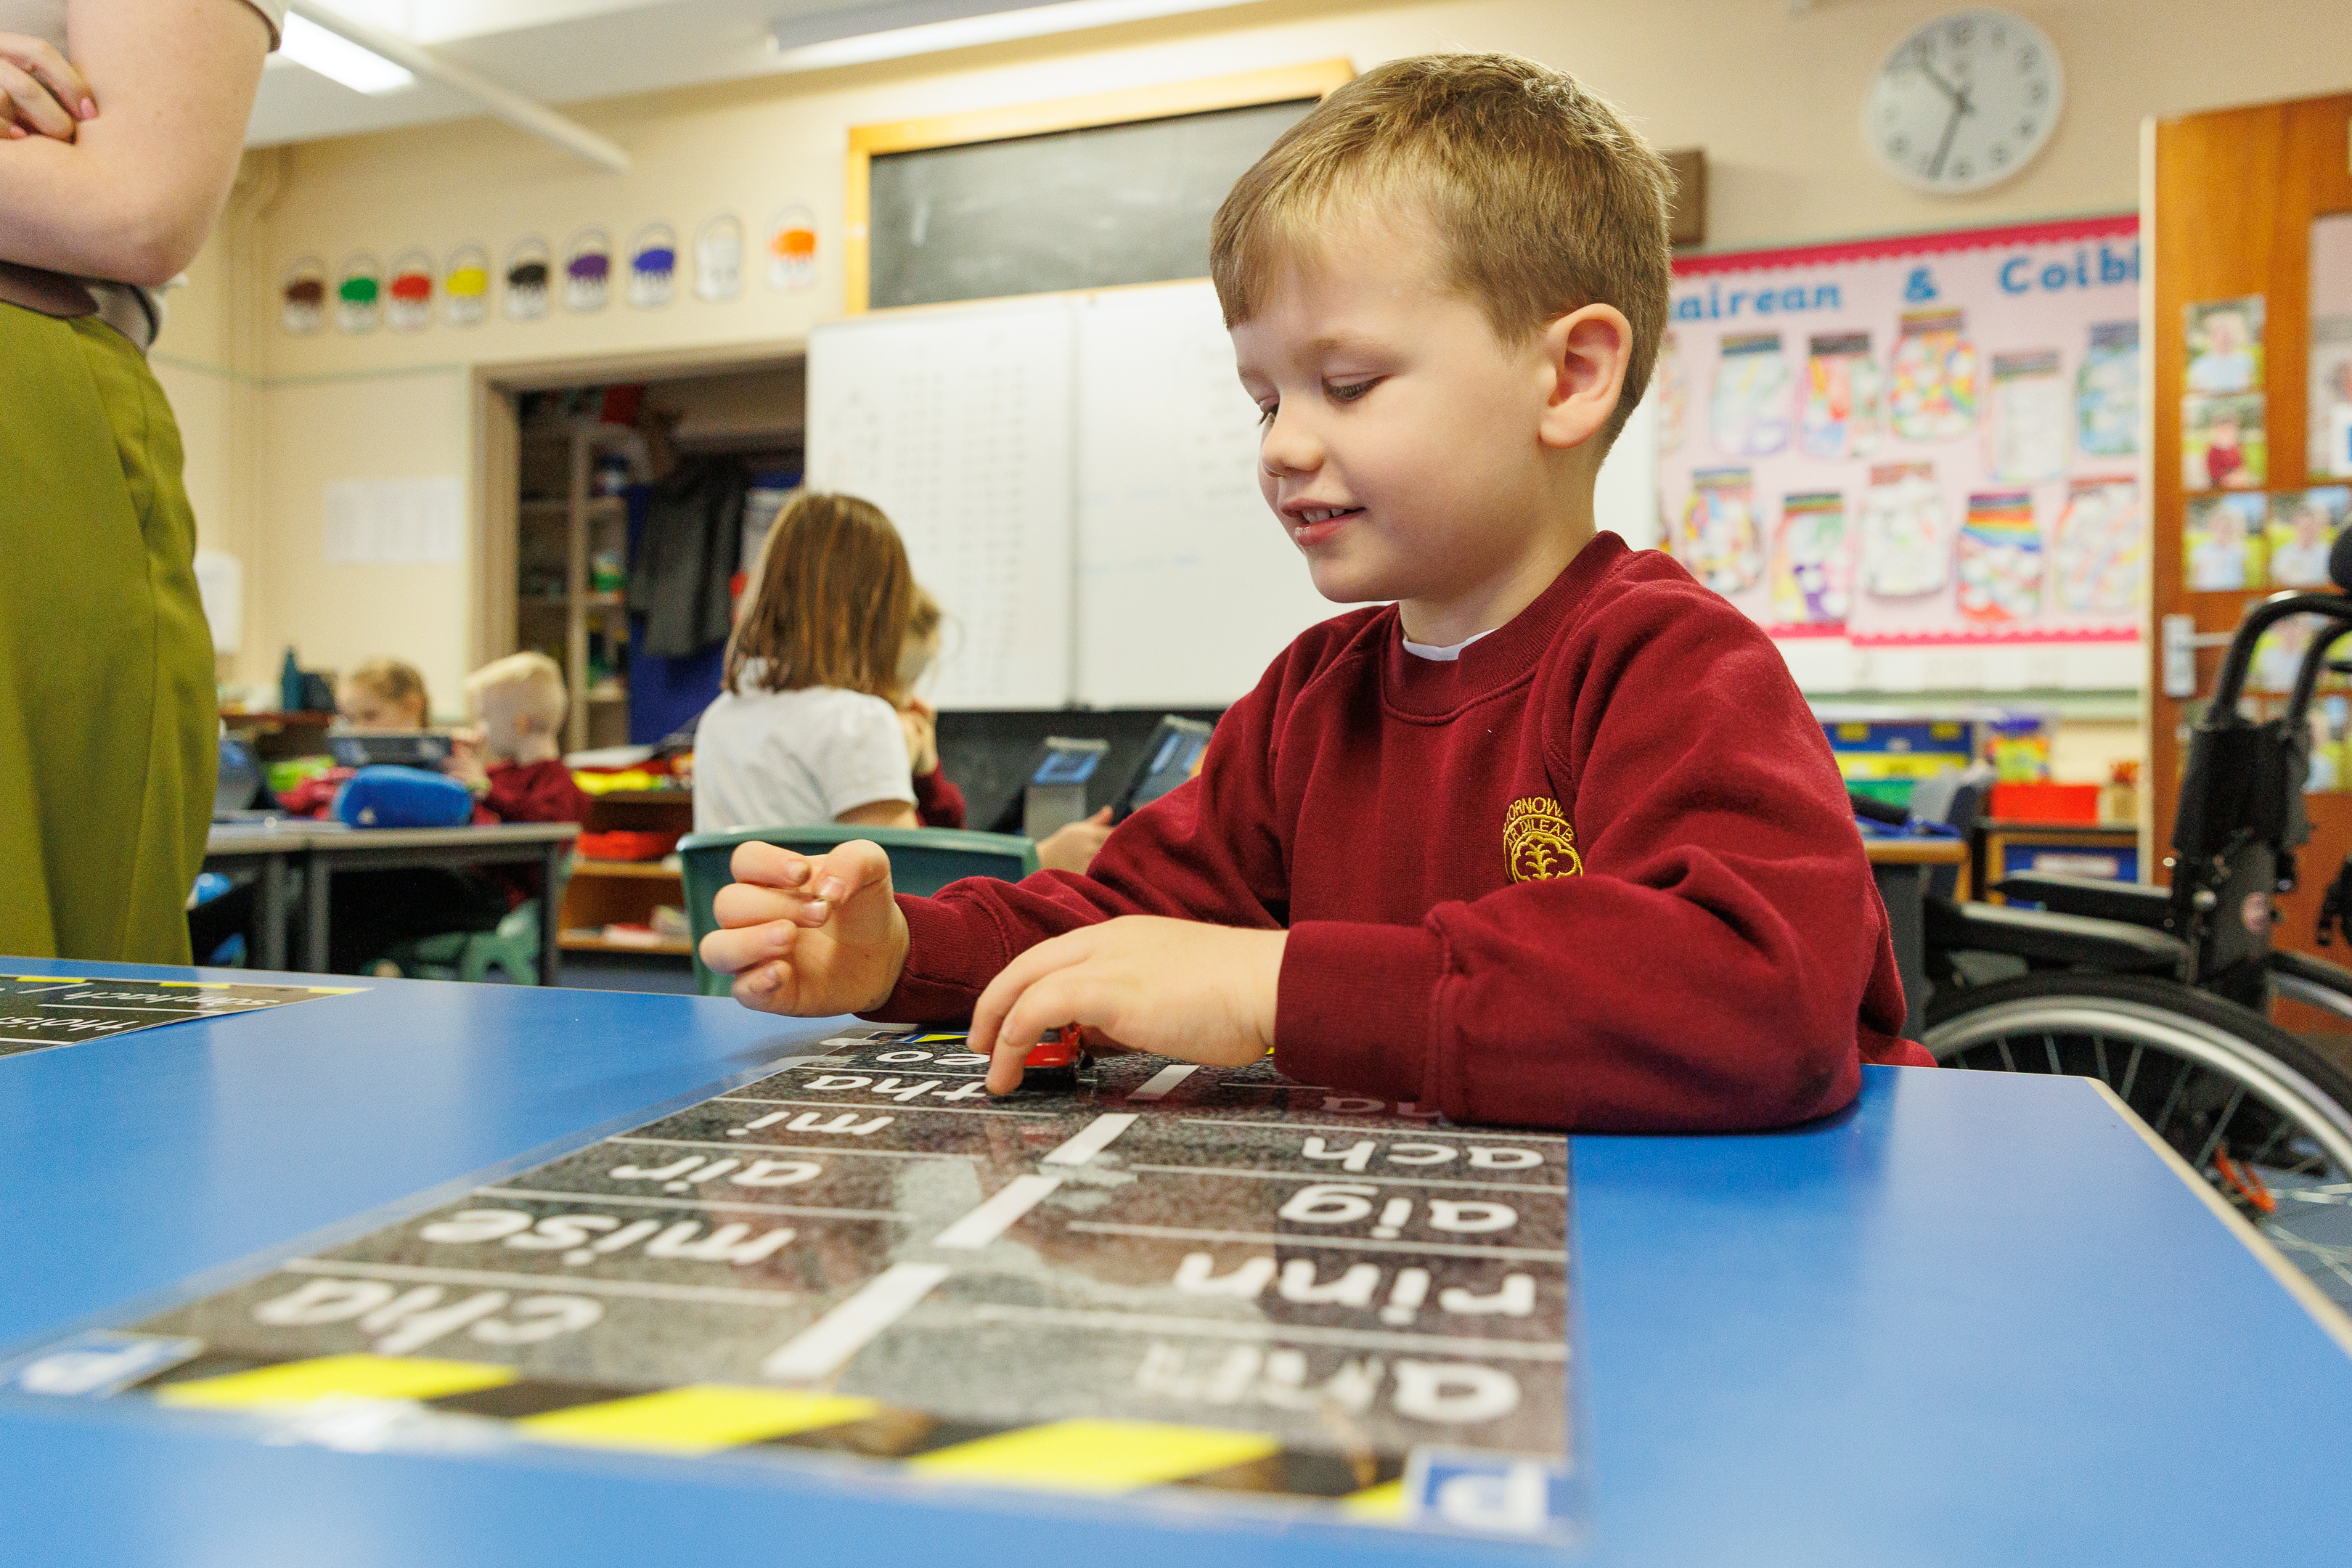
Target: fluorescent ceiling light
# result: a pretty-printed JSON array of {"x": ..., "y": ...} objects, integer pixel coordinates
[
  {"x": 966, "y": 32},
  {"x": 339, "y": 59}
]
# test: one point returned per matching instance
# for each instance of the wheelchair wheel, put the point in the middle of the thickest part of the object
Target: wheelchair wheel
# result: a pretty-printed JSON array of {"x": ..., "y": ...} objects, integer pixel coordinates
[{"x": 2254, "y": 1111}]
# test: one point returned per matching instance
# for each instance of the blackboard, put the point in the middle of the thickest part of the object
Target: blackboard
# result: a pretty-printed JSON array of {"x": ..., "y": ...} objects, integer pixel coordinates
[{"x": 1090, "y": 207}]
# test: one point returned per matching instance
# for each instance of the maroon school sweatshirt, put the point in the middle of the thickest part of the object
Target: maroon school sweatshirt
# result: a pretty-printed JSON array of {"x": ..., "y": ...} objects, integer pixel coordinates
[{"x": 1599, "y": 873}]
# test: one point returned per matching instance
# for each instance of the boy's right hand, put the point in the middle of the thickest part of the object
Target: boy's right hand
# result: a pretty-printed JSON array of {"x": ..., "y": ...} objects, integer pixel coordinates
[{"x": 809, "y": 936}]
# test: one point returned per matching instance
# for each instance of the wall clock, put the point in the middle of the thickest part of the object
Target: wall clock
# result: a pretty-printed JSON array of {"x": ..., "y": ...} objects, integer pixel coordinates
[{"x": 1965, "y": 102}]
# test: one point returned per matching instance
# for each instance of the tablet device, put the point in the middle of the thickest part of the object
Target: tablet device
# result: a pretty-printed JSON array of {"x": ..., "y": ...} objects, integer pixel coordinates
[
  {"x": 1172, "y": 755},
  {"x": 1055, "y": 795},
  {"x": 426, "y": 749}
]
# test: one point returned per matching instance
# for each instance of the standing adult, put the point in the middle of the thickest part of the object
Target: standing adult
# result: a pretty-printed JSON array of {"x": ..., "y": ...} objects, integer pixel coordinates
[{"x": 120, "y": 124}]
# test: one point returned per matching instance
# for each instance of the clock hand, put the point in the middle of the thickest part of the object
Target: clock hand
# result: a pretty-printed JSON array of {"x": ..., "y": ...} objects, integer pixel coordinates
[
  {"x": 1951, "y": 128},
  {"x": 1948, "y": 91}
]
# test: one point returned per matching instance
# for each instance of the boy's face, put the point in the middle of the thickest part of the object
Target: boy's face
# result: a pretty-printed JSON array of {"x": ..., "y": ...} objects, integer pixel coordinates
[
  {"x": 364, "y": 709},
  {"x": 1404, "y": 446}
]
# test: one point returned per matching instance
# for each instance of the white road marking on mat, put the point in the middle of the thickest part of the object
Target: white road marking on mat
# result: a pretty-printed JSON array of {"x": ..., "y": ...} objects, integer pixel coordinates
[
  {"x": 825, "y": 1346},
  {"x": 1093, "y": 1141},
  {"x": 1161, "y": 1082},
  {"x": 997, "y": 1215}
]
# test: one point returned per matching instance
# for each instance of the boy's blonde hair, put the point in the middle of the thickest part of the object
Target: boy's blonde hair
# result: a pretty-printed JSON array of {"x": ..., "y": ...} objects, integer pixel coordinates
[
  {"x": 1544, "y": 199},
  {"x": 390, "y": 681},
  {"x": 530, "y": 684}
]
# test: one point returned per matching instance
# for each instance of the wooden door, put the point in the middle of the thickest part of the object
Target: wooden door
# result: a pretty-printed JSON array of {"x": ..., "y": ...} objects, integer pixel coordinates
[{"x": 2231, "y": 196}]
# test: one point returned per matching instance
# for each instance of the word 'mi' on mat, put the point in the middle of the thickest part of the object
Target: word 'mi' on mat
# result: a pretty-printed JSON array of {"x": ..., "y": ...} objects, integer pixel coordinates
[
  {"x": 37, "y": 1011},
  {"x": 1225, "y": 1288}
]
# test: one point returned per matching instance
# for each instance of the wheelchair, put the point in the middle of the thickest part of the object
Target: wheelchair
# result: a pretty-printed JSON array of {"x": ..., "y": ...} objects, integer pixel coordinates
[{"x": 2163, "y": 992}]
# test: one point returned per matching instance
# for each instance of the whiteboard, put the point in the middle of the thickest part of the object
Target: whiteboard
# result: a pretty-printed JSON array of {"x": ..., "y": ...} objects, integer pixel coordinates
[
  {"x": 1187, "y": 585},
  {"x": 956, "y": 423}
]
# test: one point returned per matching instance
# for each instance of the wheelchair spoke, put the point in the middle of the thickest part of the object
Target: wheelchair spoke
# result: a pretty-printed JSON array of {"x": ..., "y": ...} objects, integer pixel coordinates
[
  {"x": 2049, "y": 1047},
  {"x": 2221, "y": 1126},
  {"x": 2131, "y": 1072},
  {"x": 2171, "y": 1102}
]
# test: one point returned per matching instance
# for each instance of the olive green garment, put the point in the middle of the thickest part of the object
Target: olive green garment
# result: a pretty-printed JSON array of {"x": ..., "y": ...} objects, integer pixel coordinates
[{"x": 108, "y": 724}]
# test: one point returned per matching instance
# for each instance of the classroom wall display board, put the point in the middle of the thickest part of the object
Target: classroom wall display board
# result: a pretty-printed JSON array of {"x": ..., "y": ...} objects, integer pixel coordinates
[
  {"x": 1087, "y": 192},
  {"x": 1203, "y": 1293},
  {"x": 39, "y": 1012},
  {"x": 1915, "y": 461},
  {"x": 1094, "y": 531}
]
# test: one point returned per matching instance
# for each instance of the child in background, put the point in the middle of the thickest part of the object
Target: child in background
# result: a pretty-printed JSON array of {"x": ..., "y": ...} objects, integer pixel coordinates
[
  {"x": 1551, "y": 839},
  {"x": 513, "y": 762},
  {"x": 938, "y": 802},
  {"x": 383, "y": 694}
]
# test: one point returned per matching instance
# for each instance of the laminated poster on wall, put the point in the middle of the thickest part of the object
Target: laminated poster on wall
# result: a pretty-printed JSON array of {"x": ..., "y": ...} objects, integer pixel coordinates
[
  {"x": 529, "y": 273},
  {"x": 719, "y": 258},
  {"x": 2224, "y": 442},
  {"x": 2225, "y": 345},
  {"x": 652, "y": 266},
  {"x": 1812, "y": 565},
  {"x": 302, "y": 296},
  {"x": 465, "y": 286},
  {"x": 588, "y": 271},
  {"x": 2221, "y": 543},
  {"x": 2302, "y": 531},
  {"x": 2327, "y": 417},
  {"x": 359, "y": 293},
  {"x": 408, "y": 293},
  {"x": 1971, "y": 400},
  {"x": 791, "y": 250},
  {"x": 1673, "y": 392}
]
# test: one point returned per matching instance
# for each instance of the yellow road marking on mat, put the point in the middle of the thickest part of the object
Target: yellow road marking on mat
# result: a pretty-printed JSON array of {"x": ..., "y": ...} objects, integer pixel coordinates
[
  {"x": 1383, "y": 1501},
  {"x": 1096, "y": 1455},
  {"x": 198, "y": 984},
  {"x": 323, "y": 1377},
  {"x": 698, "y": 1420},
  {"x": 51, "y": 979}
]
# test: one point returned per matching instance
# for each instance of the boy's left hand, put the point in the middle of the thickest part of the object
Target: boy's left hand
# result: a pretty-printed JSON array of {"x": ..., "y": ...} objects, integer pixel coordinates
[
  {"x": 1174, "y": 988},
  {"x": 465, "y": 763}
]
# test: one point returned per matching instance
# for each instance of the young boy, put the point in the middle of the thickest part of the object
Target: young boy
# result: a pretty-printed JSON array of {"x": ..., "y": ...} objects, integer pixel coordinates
[
  {"x": 1552, "y": 839},
  {"x": 518, "y": 703}
]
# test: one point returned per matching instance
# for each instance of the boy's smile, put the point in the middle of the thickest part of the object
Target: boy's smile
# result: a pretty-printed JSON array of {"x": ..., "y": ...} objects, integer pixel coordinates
[{"x": 1410, "y": 453}]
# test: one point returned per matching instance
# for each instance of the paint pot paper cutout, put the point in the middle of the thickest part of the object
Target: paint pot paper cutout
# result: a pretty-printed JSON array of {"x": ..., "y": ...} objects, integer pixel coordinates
[
  {"x": 465, "y": 286},
  {"x": 530, "y": 277},
  {"x": 1905, "y": 544},
  {"x": 1717, "y": 540},
  {"x": 1841, "y": 417},
  {"x": 1932, "y": 395},
  {"x": 2107, "y": 392},
  {"x": 2028, "y": 431},
  {"x": 588, "y": 271},
  {"x": 791, "y": 250},
  {"x": 1813, "y": 562},
  {"x": 2221, "y": 541},
  {"x": 1673, "y": 395},
  {"x": 719, "y": 258},
  {"x": 1748, "y": 412},
  {"x": 408, "y": 293},
  {"x": 359, "y": 294},
  {"x": 303, "y": 297},
  {"x": 653, "y": 267},
  {"x": 2099, "y": 552},
  {"x": 1998, "y": 561}
]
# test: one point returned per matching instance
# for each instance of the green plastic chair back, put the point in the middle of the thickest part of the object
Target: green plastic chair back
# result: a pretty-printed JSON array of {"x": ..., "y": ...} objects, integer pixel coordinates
[
  {"x": 470, "y": 956},
  {"x": 922, "y": 862}
]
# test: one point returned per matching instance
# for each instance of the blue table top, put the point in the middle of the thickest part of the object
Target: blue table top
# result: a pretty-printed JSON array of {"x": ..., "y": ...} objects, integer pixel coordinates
[{"x": 1974, "y": 1320}]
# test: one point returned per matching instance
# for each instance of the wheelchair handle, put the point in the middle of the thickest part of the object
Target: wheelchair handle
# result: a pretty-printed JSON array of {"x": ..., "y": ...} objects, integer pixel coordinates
[{"x": 2231, "y": 683}]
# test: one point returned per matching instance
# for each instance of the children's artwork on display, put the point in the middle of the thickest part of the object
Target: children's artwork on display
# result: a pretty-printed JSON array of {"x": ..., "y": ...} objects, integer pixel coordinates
[
  {"x": 791, "y": 250},
  {"x": 2223, "y": 446},
  {"x": 2028, "y": 431},
  {"x": 1999, "y": 557},
  {"x": 2107, "y": 392},
  {"x": 1812, "y": 563},
  {"x": 1673, "y": 392},
  {"x": 38, "y": 1012},
  {"x": 2221, "y": 543},
  {"x": 587, "y": 272},
  {"x": 1971, "y": 400},
  {"x": 1200, "y": 1296},
  {"x": 408, "y": 294},
  {"x": 530, "y": 272},
  {"x": 359, "y": 294},
  {"x": 2302, "y": 529},
  {"x": 1840, "y": 415},
  {"x": 719, "y": 258},
  {"x": 1748, "y": 412},
  {"x": 2328, "y": 417},
  {"x": 465, "y": 286},
  {"x": 2098, "y": 555},
  {"x": 1935, "y": 376},
  {"x": 302, "y": 296},
  {"x": 652, "y": 266},
  {"x": 2225, "y": 345},
  {"x": 1717, "y": 542},
  {"x": 1906, "y": 539}
]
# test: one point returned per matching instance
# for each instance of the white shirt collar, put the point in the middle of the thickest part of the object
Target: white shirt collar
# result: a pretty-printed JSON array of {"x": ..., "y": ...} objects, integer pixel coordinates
[{"x": 1435, "y": 654}]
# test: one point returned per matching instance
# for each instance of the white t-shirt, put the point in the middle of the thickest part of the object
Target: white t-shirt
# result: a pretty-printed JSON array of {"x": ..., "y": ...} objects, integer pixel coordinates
[{"x": 771, "y": 758}]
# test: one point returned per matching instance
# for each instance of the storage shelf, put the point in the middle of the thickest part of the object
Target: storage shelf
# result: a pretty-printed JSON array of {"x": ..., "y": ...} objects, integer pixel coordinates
[{"x": 648, "y": 868}]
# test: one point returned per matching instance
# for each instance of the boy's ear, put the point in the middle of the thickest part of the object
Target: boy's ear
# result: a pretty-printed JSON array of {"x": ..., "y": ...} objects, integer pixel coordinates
[{"x": 1585, "y": 355}]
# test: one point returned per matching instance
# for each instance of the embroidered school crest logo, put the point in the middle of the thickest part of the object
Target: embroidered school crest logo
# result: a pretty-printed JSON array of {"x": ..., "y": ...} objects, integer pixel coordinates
[{"x": 1538, "y": 842}]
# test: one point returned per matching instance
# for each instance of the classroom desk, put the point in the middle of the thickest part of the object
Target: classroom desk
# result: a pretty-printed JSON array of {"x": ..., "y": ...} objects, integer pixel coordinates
[
  {"x": 332, "y": 847},
  {"x": 269, "y": 848},
  {"x": 1975, "y": 1320},
  {"x": 1902, "y": 866}
]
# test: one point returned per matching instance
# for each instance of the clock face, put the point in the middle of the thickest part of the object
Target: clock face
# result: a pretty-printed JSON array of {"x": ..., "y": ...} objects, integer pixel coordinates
[{"x": 1964, "y": 103}]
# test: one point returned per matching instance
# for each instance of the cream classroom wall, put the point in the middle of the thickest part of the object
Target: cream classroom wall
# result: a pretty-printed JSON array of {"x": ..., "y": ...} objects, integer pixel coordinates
[{"x": 1773, "y": 97}]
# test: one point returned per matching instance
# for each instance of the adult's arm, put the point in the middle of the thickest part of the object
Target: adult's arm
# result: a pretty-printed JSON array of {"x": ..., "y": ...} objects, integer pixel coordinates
[{"x": 133, "y": 196}]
